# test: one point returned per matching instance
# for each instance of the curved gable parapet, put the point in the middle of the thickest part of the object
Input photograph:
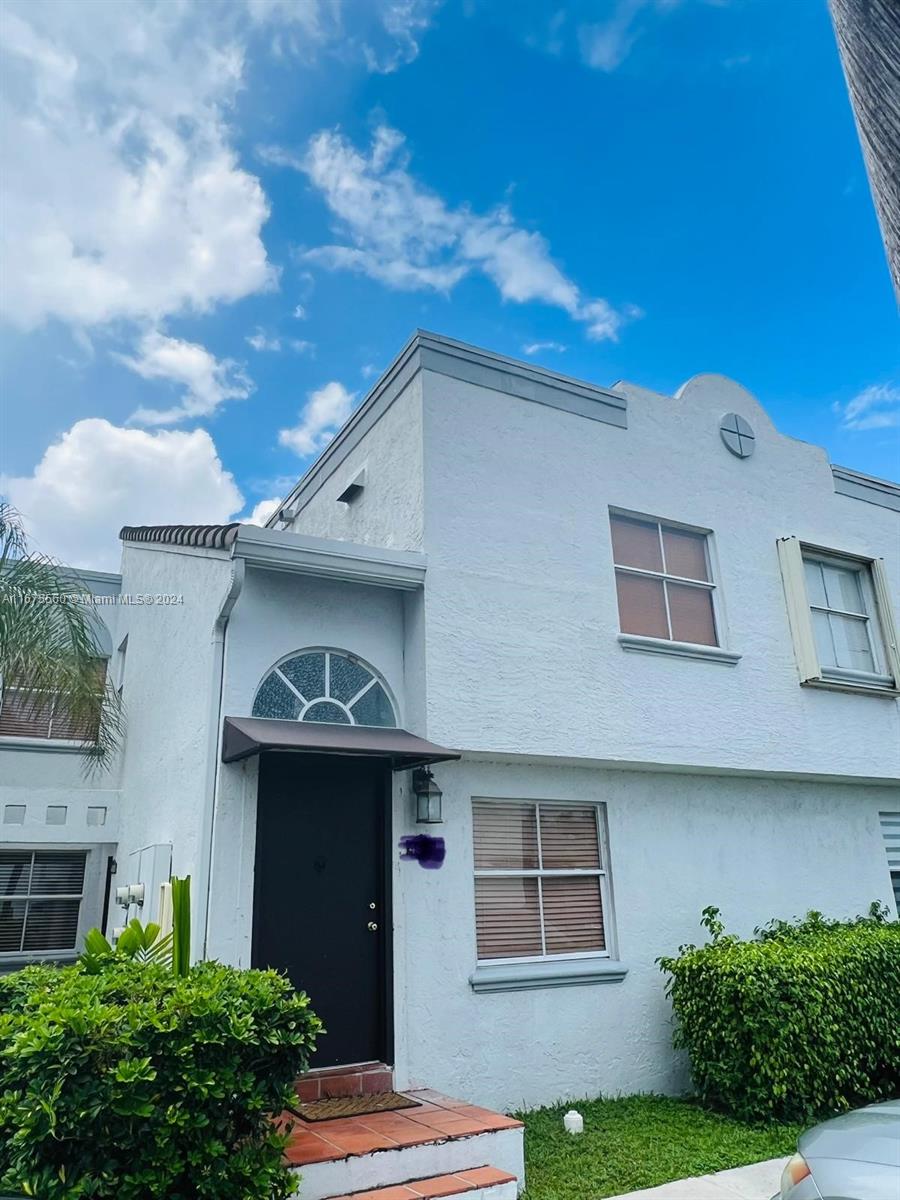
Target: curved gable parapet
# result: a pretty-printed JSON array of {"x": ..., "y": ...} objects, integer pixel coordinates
[{"x": 720, "y": 395}]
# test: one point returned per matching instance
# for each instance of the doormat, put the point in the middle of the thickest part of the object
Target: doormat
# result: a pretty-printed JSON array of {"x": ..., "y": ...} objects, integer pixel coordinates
[{"x": 353, "y": 1106}]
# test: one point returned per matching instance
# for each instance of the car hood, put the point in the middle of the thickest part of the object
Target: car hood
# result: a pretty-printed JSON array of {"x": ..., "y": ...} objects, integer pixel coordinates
[{"x": 870, "y": 1134}]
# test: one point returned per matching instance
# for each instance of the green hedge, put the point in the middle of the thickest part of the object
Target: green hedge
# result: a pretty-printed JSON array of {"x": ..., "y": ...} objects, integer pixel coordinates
[
  {"x": 802, "y": 1021},
  {"x": 136, "y": 1083}
]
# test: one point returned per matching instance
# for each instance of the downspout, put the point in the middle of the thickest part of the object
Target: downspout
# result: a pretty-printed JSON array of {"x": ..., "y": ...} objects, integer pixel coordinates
[{"x": 208, "y": 827}]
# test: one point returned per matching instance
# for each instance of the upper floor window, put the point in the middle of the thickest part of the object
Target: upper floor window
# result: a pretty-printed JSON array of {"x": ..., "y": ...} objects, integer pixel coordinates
[
  {"x": 842, "y": 604},
  {"x": 37, "y": 713},
  {"x": 664, "y": 580},
  {"x": 840, "y": 616},
  {"x": 324, "y": 685}
]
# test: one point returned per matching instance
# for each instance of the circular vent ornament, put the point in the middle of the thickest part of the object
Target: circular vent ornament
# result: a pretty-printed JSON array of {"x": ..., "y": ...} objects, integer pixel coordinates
[{"x": 737, "y": 434}]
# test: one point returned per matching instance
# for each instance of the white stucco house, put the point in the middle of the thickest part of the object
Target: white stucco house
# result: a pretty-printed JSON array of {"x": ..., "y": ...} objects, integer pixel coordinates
[{"x": 643, "y": 643}]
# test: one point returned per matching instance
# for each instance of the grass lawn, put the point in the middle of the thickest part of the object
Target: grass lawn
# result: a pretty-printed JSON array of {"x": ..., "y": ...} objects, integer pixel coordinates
[{"x": 638, "y": 1142}]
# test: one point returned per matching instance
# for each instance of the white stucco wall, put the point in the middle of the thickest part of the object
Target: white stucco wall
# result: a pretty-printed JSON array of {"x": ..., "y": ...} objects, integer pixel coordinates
[
  {"x": 520, "y": 609},
  {"x": 755, "y": 849},
  {"x": 389, "y": 511},
  {"x": 277, "y": 614},
  {"x": 169, "y": 688},
  {"x": 37, "y": 774},
  {"x": 512, "y": 650},
  {"x": 42, "y": 782}
]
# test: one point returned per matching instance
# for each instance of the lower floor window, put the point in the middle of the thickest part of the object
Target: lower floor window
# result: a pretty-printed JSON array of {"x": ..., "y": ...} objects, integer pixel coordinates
[
  {"x": 41, "y": 893},
  {"x": 890, "y": 830},
  {"x": 540, "y": 879}
]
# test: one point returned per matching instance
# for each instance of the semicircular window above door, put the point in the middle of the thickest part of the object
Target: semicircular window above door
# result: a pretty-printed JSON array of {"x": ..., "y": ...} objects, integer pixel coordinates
[{"x": 329, "y": 686}]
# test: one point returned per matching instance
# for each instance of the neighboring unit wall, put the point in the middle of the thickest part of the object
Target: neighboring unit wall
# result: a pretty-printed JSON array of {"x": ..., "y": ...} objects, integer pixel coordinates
[
  {"x": 51, "y": 797},
  {"x": 521, "y": 616},
  {"x": 170, "y": 688},
  {"x": 388, "y": 512},
  {"x": 37, "y": 772},
  {"x": 677, "y": 843}
]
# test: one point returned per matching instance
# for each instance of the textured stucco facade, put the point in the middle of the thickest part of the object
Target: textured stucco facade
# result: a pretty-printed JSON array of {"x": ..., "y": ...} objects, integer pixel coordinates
[
  {"x": 48, "y": 798},
  {"x": 523, "y": 650},
  {"x": 677, "y": 843},
  {"x": 474, "y": 574}
]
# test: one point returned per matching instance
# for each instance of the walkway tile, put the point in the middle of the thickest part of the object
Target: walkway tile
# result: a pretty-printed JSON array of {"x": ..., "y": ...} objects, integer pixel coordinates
[{"x": 758, "y": 1181}]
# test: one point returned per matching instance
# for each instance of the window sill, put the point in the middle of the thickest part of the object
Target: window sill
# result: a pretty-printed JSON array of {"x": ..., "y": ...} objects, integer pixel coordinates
[
  {"x": 650, "y": 645},
  {"x": 43, "y": 958},
  {"x": 48, "y": 745},
  {"x": 858, "y": 687},
  {"x": 562, "y": 972}
]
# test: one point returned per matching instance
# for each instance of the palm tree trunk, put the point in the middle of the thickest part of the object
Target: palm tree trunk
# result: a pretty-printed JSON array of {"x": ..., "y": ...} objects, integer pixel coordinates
[{"x": 868, "y": 36}]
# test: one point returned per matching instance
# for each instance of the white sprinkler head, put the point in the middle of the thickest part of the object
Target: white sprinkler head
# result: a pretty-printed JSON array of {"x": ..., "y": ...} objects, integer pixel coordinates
[{"x": 573, "y": 1121}]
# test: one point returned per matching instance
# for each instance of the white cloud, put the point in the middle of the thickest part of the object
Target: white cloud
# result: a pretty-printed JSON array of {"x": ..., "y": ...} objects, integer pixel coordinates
[
  {"x": 604, "y": 45},
  {"x": 260, "y": 340},
  {"x": 531, "y": 348},
  {"x": 405, "y": 22},
  {"x": 875, "y": 407},
  {"x": 98, "y": 477},
  {"x": 300, "y": 313},
  {"x": 397, "y": 231},
  {"x": 322, "y": 415},
  {"x": 124, "y": 195},
  {"x": 206, "y": 381},
  {"x": 384, "y": 34},
  {"x": 125, "y": 198},
  {"x": 262, "y": 511}
]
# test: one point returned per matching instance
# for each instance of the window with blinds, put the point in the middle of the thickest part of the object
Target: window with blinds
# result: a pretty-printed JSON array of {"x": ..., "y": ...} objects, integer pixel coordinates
[
  {"x": 664, "y": 583},
  {"x": 890, "y": 830},
  {"x": 36, "y": 714},
  {"x": 540, "y": 879},
  {"x": 40, "y": 900}
]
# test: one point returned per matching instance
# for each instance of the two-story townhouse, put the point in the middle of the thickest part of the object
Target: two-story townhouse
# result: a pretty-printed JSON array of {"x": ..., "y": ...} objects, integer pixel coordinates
[
  {"x": 59, "y": 819},
  {"x": 525, "y": 673}
]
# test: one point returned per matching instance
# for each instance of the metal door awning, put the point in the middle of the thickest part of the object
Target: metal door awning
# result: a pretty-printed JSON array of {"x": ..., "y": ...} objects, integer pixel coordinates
[{"x": 242, "y": 737}]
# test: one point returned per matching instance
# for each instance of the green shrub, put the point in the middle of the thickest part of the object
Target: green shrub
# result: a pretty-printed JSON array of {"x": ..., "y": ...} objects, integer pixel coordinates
[
  {"x": 802, "y": 1021},
  {"x": 134, "y": 1082}
]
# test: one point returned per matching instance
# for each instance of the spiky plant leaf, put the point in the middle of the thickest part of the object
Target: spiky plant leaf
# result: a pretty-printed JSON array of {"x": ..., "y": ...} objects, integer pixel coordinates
[{"x": 49, "y": 644}]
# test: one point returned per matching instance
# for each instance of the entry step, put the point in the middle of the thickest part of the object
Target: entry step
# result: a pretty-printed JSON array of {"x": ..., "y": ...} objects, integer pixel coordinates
[
  {"x": 488, "y": 1183},
  {"x": 331, "y": 1083},
  {"x": 437, "y": 1141}
]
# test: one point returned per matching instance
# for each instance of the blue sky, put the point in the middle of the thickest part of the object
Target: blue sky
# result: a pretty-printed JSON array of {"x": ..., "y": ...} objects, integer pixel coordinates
[{"x": 224, "y": 219}]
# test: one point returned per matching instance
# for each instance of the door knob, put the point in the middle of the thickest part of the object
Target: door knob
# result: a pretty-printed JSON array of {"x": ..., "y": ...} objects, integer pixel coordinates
[{"x": 373, "y": 925}]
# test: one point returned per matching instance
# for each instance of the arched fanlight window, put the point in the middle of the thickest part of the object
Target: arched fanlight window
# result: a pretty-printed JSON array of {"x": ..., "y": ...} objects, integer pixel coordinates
[{"x": 327, "y": 686}]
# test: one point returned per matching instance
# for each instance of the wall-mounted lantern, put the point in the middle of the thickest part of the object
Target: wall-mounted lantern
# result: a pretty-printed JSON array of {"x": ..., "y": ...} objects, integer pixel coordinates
[{"x": 428, "y": 797}]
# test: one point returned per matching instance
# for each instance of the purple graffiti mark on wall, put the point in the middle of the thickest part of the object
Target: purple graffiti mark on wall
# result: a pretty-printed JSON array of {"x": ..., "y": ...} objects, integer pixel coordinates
[{"x": 427, "y": 851}]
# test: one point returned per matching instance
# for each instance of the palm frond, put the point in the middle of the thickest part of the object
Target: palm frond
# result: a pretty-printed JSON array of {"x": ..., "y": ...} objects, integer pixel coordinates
[{"x": 49, "y": 643}]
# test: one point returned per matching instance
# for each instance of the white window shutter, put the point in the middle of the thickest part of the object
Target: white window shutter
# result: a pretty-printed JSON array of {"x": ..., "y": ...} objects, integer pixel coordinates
[
  {"x": 886, "y": 619},
  {"x": 791, "y": 559}
]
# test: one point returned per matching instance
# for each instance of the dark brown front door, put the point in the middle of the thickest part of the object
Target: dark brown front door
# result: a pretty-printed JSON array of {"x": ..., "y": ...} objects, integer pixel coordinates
[{"x": 320, "y": 909}]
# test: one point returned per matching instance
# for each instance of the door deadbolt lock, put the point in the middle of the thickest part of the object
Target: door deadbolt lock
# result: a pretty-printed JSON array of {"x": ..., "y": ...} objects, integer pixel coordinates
[{"x": 373, "y": 925}]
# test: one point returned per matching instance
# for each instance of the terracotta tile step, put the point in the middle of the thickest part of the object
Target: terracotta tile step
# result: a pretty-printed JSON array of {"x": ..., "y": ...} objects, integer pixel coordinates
[
  {"x": 329, "y": 1083},
  {"x": 437, "y": 1118},
  {"x": 438, "y": 1185}
]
